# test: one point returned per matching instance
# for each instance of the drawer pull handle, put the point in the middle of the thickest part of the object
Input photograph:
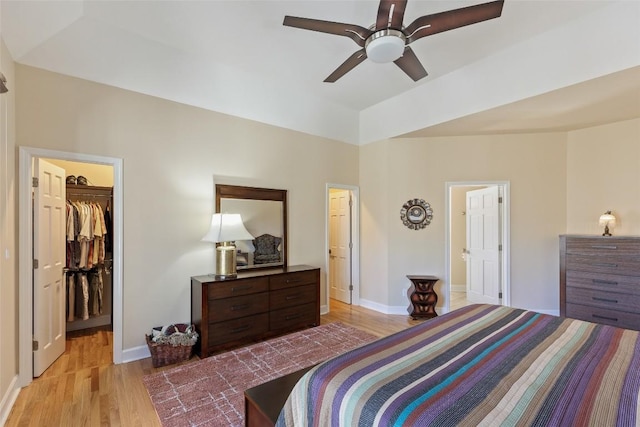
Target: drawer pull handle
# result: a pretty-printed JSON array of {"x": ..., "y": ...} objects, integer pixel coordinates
[
  {"x": 604, "y": 264},
  {"x": 604, "y": 282},
  {"x": 604, "y": 247},
  {"x": 241, "y": 329},
  {"x": 290, "y": 297},
  {"x": 292, "y": 281},
  {"x": 240, "y": 289},
  {"x": 293, "y": 316},
  {"x": 239, "y": 307},
  {"x": 615, "y": 301},
  {"x": 614, "y": 319}
]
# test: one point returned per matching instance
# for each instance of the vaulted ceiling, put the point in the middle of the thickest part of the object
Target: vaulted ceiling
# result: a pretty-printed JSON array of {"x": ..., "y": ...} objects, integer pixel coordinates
[{"x": 541, "y": 66}]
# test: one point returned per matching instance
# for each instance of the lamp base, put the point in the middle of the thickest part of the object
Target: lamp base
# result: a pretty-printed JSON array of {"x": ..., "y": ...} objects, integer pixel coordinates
[
  {"x": 606, "y": 231},
  {"x": 226, "y": 261}
]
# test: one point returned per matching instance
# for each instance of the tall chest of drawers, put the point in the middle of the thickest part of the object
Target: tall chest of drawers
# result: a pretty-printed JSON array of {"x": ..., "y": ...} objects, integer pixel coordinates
[
  {"x": 254, "y": 306},
  {"x": 600, "y": 279}
]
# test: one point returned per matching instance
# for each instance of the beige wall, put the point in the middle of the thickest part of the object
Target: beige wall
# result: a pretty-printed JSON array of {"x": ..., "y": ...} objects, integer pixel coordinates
[
  {"x": 8, "y": 235},
  {"x": 603, "y": 173},
  {"x": 172, "y": 155},
  {"x": 410, "y": 168}
]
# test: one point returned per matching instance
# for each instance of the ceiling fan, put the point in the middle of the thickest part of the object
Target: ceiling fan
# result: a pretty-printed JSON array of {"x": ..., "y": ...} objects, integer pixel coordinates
[{"x": 388, "y": 39}]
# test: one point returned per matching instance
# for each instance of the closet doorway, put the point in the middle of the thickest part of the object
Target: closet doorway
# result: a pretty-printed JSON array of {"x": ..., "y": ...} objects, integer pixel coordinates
[{"x": 104, "y": 188}]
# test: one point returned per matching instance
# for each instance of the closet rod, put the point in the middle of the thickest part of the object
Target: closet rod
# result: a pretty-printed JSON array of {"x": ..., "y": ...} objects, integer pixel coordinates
[{"x": 88, "y": 194}]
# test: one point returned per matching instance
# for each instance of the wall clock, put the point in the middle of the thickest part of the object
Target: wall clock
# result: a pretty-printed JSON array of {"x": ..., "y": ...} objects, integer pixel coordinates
[{"x": 416, "y": 214}]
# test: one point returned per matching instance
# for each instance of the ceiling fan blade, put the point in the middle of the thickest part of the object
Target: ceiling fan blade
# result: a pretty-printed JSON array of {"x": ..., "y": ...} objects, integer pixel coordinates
[
  {"x": 439, "y": 22},
  {"x": 390, "y": 14},
  {"x": 410, "y": 64},
  {"x": 347, "y": 66},
  {"x": 357, "y": 33}
]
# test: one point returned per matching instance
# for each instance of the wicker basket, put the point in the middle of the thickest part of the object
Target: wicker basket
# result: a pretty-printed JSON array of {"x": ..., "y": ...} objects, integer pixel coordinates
[{"x": 167, "y": 354}]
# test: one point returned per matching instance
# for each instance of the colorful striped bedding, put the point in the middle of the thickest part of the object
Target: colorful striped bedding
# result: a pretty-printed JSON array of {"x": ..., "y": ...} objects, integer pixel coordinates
[{"x": 481, "y": 365}]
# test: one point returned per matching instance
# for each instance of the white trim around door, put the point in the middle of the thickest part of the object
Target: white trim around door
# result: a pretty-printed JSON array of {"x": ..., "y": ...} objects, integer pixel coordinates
[{"x": 27, "y": 155}]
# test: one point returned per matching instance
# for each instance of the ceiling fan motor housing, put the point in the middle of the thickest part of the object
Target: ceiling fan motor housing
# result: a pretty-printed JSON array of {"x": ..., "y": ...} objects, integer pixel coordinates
[{"x": 385, "y": 45}]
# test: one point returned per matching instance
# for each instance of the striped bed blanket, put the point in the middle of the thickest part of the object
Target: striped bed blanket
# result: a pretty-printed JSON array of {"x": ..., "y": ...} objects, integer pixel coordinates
[{"x": 482, "y": 365}]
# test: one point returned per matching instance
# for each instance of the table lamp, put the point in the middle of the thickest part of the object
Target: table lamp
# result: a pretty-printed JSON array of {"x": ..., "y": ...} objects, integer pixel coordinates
[
  {"x": 607, "y": 220},
  {"x": 225, "y": 229}
]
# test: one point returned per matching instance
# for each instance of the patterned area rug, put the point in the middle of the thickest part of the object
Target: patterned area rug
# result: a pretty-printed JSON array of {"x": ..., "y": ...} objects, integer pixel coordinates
[{"x": 210, "y": 392}]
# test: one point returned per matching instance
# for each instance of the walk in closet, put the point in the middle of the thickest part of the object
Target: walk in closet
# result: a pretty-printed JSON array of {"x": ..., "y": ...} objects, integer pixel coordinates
[{"x": 89, "y": 256}]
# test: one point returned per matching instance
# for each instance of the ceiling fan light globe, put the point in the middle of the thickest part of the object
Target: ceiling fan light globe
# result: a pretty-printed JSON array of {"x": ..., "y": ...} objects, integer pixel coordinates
[{"x": 385, "y": 46}]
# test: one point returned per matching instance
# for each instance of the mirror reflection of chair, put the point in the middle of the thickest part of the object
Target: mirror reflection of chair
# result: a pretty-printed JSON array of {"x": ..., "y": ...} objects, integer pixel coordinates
[{"x": 267, "y": 249}]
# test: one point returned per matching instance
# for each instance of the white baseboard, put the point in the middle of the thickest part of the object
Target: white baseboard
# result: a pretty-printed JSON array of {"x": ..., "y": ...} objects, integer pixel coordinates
[
  {"x": 135, "y": 353},
  {"x": 388, "y": 309},
  {"x": 8, "y": 400},
  {"x": 324, "y": 309},
  {"x": 551, "y": 312},
  {"x": 459, "y": 288}
]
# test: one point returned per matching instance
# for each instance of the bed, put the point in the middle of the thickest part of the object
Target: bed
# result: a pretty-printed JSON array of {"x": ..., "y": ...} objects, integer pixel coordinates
[{"x": 482, "y": 365}]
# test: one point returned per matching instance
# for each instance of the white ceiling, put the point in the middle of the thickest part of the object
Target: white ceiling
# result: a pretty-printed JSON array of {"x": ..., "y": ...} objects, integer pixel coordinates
[{"x": 236, "y": 57}]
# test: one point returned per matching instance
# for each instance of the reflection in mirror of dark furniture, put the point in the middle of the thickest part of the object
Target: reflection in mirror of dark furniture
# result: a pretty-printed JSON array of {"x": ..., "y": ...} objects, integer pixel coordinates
[
  {"x": 254, "y": 193},
  {"x": 267, "y": 249}
]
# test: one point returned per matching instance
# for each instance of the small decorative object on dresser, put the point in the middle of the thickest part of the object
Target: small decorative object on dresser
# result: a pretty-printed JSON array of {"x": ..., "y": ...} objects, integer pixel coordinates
[
  {"x": 254, "y": 306},
  {"x": 600, "y": 279},
  {"x": 422, "y": 296},
  {"x": 607, "y": 220}
]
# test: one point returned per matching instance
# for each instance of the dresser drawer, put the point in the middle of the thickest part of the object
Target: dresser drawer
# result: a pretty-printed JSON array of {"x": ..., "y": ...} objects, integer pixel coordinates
[
  {"x": 620, "y": 319},
  {"x": 292, "y": 296},
  {"x": 605, "y": 264},
  {"x": 603, "y": 282},
  {"x": 234, "y": 288},
  {"x": 286, "y": 318},
  {"x": 603, "y": 246},
  {"x": 293, "y": 279},
  {"x": 238, "y": 329},
  {"x": 232, "y": 308},
  {"x": 603, "y": 299}
]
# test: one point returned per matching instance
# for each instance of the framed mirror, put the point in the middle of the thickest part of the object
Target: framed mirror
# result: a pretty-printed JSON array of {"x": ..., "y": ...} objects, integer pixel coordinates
[{"x": 264, "y": 214}]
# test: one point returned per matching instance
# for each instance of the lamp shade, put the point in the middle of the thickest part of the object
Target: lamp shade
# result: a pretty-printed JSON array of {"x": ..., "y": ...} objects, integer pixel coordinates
[
  {"x": 226, "y": 227},
  {"x": 607, "y": 219}
]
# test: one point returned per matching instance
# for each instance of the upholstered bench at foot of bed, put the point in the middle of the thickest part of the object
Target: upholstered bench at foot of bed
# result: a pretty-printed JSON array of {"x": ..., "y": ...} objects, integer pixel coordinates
[{"x": 262, "y": 403}]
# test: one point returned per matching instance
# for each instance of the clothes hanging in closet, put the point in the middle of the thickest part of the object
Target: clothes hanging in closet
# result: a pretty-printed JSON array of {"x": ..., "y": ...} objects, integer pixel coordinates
[
  {"x": 86, "y": 231},
  {"x": 85, "y": 235},
  {"x": 84, "y": 294}
]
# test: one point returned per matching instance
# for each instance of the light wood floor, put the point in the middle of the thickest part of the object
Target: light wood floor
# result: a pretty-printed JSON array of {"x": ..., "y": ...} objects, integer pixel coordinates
[{"x": 84, "y": 388}]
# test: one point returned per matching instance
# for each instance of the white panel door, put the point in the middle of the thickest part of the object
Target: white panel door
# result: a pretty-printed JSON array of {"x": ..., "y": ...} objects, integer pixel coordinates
[
  {"x": 340, "y": 245},
  {"x": 49, "y": 221},
  {"x": 483, "y": 246}
]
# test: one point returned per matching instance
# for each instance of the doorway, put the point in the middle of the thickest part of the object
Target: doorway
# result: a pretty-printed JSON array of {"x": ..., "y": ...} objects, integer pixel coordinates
[
  {"x": 457, "y": 255},
  {"x": 28, "y": 156},
  {"x": 342, "y": 247}
]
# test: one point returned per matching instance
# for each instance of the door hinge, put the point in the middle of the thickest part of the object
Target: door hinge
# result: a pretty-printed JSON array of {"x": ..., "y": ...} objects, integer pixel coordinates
[
  {"x": 35, "y": 264},
  {"x": 500, "y": 199},
  {"x": 35, "y": 181},
  {"x": 500, "y": 295},
  {"x": 500, "y": 247},
  {"x": 35, "y": 345},
  {"x": 350, "y": 245},
  {"x": 351, "y": 287}
]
